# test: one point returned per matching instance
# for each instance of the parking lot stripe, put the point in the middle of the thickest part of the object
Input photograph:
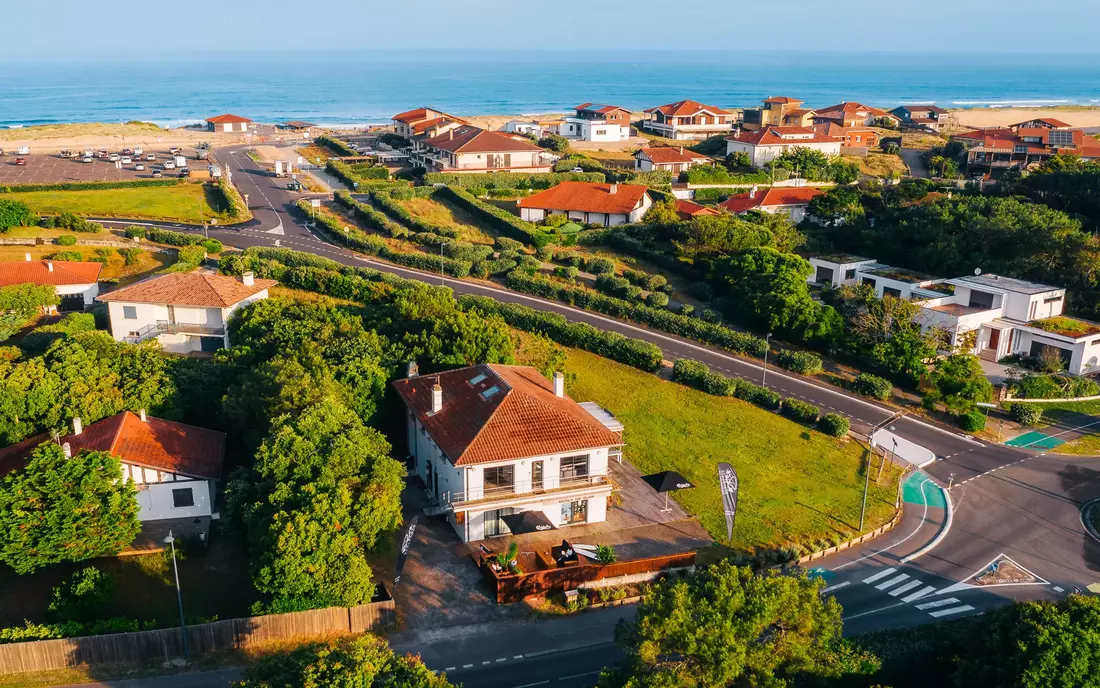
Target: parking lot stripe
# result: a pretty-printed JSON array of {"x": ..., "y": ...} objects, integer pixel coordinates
[{"x": 937, "y": 603}]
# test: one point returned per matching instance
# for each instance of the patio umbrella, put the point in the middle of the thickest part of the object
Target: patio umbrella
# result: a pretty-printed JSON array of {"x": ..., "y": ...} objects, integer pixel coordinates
[
  {"x": 667, "y": 481},
  {"x": 527, "y": 522}
]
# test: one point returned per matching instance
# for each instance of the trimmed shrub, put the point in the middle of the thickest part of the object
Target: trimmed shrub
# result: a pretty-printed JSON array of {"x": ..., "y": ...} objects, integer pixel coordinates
[
  {"x": 686, "y": 309},
  {"x": 655, "y": 283},
  {"x": 711, "y": 316},
  {"x": 73, "y": 222},
  {"x": 755, "y": 394},
  {"x": 656, "y": 299},
  {"x": 164, "y": 236},
  {"x": 689, "y": 372},
  {"x": 719, "y": 385},
  {"x": 193, "y": 255},
  {"x": 369, "y": 215},
  {"x": 135, "y": 232},
  {"x": 1025, "y": 413},
  {"x": 90, "y": 186},
  {"x": 715, "y": 194},
  {"x": 507, "y": 244},
  {"x": 1054, "y": 387},
  {"x": 834, "y": 424},
  {"x": 873, "y": 386},
  {"x": 213, "y": 246},
  {"x": 75, "y": 256},
  {"x": 130, "y": 255},
  {"x": 800, "y": 411},
  {"x": 803, "y": 362},
  {"x": 66, "y": 240},
  {"x": 701, "y": 291},
  {"x": 600, "y": 266},
  {"x": 972, "y": 422},
  {"x": 567, "y": 272},
  {"x": 336, "y": 145},
  {"x": 511, "y": 180}
]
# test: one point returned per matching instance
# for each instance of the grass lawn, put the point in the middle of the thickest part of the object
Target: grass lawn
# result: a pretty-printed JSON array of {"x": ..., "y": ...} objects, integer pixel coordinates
[
  {"x": 878, "y": 164},
  {"x": 316, "y": 154},
  {"x": 1089, "y": 445},
  {"x": 797, "y": 485},
  {"x": 441, "y": 212},
  {"x": 116, "y": 268},
  {"x": 183, "y": 202}
]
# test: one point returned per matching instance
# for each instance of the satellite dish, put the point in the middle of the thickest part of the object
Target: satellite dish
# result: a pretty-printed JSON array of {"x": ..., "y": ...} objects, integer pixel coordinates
[{"x": 977, "y": 271}]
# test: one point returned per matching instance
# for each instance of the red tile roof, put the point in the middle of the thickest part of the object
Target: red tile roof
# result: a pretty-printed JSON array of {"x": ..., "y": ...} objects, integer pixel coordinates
[
  {"x": 783, "y": 100},
  {"x": 689, "y": 209},
  {"x": 687, "y": 108},
  {"x": 411, "y": 115},
  {"x": 851, "y": 109},
  {"x": 38, "y": 272},
  {"x": 771, "y": 136},
  {"x": 587, "y": 197},
  {"x": 666, "y": 155},
  {"x": 163, "y": 445},
  {"x": 229, "y": 119},
  {"x": 520, "y": 418},
  {"x": 923, "y": 108},
  {"x": 601, "y": 109},
  {"x": 770, "y": 198},
  {"x": 1049, "y": 121},
  {"x": 838, "y": 131},
  {"x": 189, "y": 289},
  {"x": 470, "y": 139}
]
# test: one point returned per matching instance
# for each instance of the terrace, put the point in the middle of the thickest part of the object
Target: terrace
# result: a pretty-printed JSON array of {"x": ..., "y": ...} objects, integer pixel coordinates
[
  {"x": 900, "y": 275},
  {"x": 1073, "y": 328},
  {"x": 842, "y": 258}
]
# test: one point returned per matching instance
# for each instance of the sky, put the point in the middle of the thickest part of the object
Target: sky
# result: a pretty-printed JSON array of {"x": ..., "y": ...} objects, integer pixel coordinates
[{"x": 93, "y": 30}]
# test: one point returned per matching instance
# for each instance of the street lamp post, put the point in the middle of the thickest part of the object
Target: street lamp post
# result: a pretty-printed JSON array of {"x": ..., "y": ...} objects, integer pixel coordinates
[
  {"x": 867, "y": 473},
  {"x": 768, "y": 345},
  {"x": 347, "y": 240},
  {"x": 892, "y": 455},
  {"x": 179, "y": 595},
  {"x": 441, "y": 262}
]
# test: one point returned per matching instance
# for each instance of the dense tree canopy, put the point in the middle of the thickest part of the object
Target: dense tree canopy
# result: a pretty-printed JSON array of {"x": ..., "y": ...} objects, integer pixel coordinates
[
  {"x": 1067, "y": 183},
  {"x": 959, "y": 382},
  {"x": 59, "y": 509}
]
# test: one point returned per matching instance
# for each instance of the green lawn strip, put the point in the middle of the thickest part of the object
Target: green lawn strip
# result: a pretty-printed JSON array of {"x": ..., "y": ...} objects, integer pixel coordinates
[
  {"x": 183, "y": 203},
  {"x": 797, "y": 485},
  {"x": 1089, "y": 445}
]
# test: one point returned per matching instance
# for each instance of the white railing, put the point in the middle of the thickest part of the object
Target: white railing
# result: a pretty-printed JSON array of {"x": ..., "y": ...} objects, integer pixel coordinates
[{"x": 520, "y": 488}]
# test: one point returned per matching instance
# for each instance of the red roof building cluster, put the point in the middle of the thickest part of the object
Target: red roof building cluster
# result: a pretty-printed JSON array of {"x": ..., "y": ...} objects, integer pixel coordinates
[
  {"x": 690, "y": 209},
  {"x": 669, "y": 155},
  {"x": 470, "y": 139},
  {"x": 687, "y": 108},
  {"x": 588, "y": 197}
]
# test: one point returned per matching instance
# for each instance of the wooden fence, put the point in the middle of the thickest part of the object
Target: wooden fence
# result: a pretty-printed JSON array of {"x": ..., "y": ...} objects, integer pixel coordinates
[
  {"x": 515, "y": 588},
  {"x": 165, "y": 643}
]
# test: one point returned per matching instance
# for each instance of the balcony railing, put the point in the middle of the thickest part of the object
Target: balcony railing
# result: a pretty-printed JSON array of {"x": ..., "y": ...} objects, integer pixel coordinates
[
  {"x": 520, "y": 489},
  {"x": 164, "y": 327}
]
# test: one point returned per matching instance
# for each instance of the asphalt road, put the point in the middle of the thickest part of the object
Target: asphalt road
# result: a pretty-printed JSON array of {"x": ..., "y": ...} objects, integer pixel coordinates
[{"x": 1007, "y": 501}]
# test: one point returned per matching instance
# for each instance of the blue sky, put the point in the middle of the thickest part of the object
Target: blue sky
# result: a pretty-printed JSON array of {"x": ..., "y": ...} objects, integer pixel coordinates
[{"x": 108, "y": 29}]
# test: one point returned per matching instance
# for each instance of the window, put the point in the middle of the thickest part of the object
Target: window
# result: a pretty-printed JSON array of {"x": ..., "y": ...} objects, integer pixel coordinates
[
  {"x": 890, "y": 291},
  {"x": 498, "y": 478},
  {"x": 183, "y": 497},
  {"x": 574, "y": 467},
  {"x": 1053, "y": 299},
  {"x": 574, "y": 512},
  {"x": 129, "y": 312},
  {"x": 980, "y": 299},
  {"x": 850, "y": 274}
]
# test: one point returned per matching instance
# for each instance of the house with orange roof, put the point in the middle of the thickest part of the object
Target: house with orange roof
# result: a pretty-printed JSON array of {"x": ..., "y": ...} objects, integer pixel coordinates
[
  {"x": 791, "y": 201},
  {"x": 588, "y": 203},
  {"x": 489, "y": 441},
  {"x": 184, "y": 311},
  {"x": 848, "y": 114},
  {"x": 768, "y": 143},
  {"x": 424, "y": 121},
  {"x": 76, "y": 283},
  {"x": 687, "y": 119},
  {"x": 994, "y": 150},
  {"x": 174, "y": 466},
  {"x": 674, "y": 159},
  {"x": 689, "y": 210},
  {"x": 778, "y": 111},
  {"x": 470, "y": 150},
  {"x": 228, "y": 124},
  {"x": 851, "y": 137}
]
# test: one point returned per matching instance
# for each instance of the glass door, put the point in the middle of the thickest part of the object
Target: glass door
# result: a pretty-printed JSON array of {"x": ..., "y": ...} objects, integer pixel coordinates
[
  {"x": 536, "y": 475},
  {"x": 574, "y": 512}
]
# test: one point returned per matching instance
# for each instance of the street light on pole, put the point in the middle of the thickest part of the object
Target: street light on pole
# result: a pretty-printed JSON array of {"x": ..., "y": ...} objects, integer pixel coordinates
[
  {"x": 441, "y": 262},
  {"x": 171, "y": 541},
  {"x": 892, "y": 455},
  {"x": 767, "y": 345},
  {"x": 347, "y": 240}
]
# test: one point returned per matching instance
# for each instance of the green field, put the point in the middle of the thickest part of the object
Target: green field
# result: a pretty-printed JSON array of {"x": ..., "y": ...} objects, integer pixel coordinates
[
  {"x": 183, "y": 202},
  {"x": 797, "y": 485},
  {"x": 441, "y": 212}
]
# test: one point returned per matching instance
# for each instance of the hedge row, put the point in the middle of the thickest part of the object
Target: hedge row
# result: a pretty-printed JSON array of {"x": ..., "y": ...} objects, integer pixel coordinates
[
  {"x": 700, "y": 376},
  {"x": 352, "y": 177},
  {"x": 632, "y": 352},
  {"x": 667, "y": 321},
  {"x": 499, "y": 219},
  {"x": 803, "y": 362},
  {"x": 336, "y": 145},
  {"x": 620, "y": 239},
  {"x": 275, "y": 262},
  {"x": 394, "y": 209},
  {"x": 716, "y": 174},
  {"x": 715, "y": 194},
  {"x": 90, "y": 186},
  {"x": 511, "y": 180},
  {"x": 370, "y": 216},
  {"x": 164, "y": 236},
  {"x": 234, "y": 202}
]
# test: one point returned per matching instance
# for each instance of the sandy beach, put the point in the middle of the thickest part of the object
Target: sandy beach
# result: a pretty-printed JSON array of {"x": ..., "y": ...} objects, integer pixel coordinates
[
  {"x": 52, "y": 138},
  {"x": 983, "y": 118}
]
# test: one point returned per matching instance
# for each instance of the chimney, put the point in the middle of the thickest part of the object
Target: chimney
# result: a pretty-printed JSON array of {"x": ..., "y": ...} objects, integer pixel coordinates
[
  {"x": 437, "y": 398},
  {"x": 141, "y": 414},
  {"x": 49, "y": 265},
  {"x": 681, "y": 150},
  {"x": 614, "y": 189},
  {"x": 27, "y": 256},
  {"x": 752, "y": 191},
  {"x": 68, "y": 449},
  {"x": 248, "y": 279},
  {"x": 412, "y": 370},
  {"x": 559, "y": 384},
  {"x": 78, "y": 427},
  {"x": 451, "y": 134}
]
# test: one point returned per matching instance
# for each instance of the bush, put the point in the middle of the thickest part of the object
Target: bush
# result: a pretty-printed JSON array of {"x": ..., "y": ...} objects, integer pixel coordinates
[
  {"x": 193, "y": 255},
  {"x": 130, "y": 255},
  {"x": 135, "y": 232},
  {"x": 164, "y": 236},
  {"x": 755, "y": 394},
  {"x": 972, "y": 422},
  {"x": 75, "y": 256},
  {"x": 66, "y": 240},
  {"x": 719, "y": 385},
  {"x": 336, "y": 145},
  {"x": 873, "y": 386},
  {"x": 82, "y": 595},
  {"x": 800, "y": 411},
  {"x": 91, "y": 186},
  {"x": 1025, "y": 413},
  {"x": 803, "y": 362},
  {"x": 656, "y": 299},
  {"x": 213, "y": 246},
  {"x": 711, "y": 316},
  {"x": 834, "y": 424},
  {"x": 510, "y": 180},
  {"x": 1054, "y": 387},
  {"x": 556, "y": 220},
  {"x": 600, "y": 266},
  {"x": 716, "y": 174},
  {"x": 605, "y": 554},
  {"x": 545, "y": 253},
  {"x": 566, "y": 272},
  {"x": 686, "y": 309},
  {"x": 15, "y": 214}
]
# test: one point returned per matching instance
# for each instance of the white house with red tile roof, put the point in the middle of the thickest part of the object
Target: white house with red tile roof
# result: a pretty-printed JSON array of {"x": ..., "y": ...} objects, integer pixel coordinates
[
  {"x": 852, "y": 137},
  {"x": 595, "y": 122},
  {"x": 471, "y": 150},
  {"x": 174, "y": 466},
  {"x": 228, "y": 123},
  {"x": 770, "y": 142},
  {"x": 848, "y": 114},
  {"x": 670, "y": 158},
  {"x": 687, "y": 119},
  {"x": 184, "y": 311},
  {"x": 788, "y": 200},
  {"x": 588, "y": 203},
  {"x": 76, "y": 283},
  {"x": 688, "y": 210},
  {"x": 493, "y": 440},
  {"x": 424, "y": 121}
]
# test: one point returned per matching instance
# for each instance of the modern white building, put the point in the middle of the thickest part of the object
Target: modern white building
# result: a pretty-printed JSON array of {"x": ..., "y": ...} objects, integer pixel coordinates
[
  {"x": 588, "y": 202},
  {"x": 595, "y": 122},
  {"x": 994, "y": 316},
  {"x": 184, "y": 311},
  {"x": 76, "y": 283},
  {"x": 523, "y": 126},
  {"x": 492, "y": 440},
  {"x": 766, "y": 144},
  {"x": 174, "y": 466}
]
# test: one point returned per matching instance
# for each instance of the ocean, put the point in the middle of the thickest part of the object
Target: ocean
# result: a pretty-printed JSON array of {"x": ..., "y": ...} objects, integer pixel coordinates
[{"x": 357, "y": 87}]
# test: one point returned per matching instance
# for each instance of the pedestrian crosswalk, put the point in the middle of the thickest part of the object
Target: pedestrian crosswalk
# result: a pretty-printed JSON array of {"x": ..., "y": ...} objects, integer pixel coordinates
[{"x": 911, "y": 589}]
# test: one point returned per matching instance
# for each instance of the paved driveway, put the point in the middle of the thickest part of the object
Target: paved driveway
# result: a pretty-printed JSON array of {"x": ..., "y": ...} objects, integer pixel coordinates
[{"x": 914, "y": 158}]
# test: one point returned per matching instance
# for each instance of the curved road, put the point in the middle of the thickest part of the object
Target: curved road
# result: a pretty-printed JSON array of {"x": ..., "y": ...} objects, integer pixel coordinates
[{"x": 1008, "y": 502}]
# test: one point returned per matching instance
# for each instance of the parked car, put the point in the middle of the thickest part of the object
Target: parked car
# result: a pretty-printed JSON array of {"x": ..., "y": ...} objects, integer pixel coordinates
[
  {"x": 169, "y": 165},
  {"x": 138, "y": 150},
  {"x": 127, "y": 151},
  {"x": 23, "y": 150},
  {"x": 86, "y": 158},
  {"x": 174, "y": 149},
  {"x": 114, "y": 157},
  {"x": 102, "y": 153},
  {"x": 185, "y": 173},
  {"x": 66, "y": 153},
  {"x": 126, "y": 160},
  {"x": 139, "y": 167},
  {"x": 20, "y": 161},
  {"x": 157, "y": 173},
  {"x": 151, "y": 156}
]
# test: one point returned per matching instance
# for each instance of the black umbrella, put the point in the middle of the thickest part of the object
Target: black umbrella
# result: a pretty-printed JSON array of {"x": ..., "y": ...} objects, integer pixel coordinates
[
  {"x": 667, "y": 481},
  {"x": 527, "y": 522}
]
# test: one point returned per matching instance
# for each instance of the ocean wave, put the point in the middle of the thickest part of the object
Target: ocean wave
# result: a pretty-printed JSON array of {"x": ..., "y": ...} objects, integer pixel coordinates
[
  {"x": 174, "y": 123},
  {"x": 1012, "y": 103}
]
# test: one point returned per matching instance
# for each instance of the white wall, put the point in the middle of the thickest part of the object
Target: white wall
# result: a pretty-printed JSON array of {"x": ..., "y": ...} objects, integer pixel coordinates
[
  {"x": 760, "y": 155},
  {"x": 90, "y": 291},
  {"x": 155, "y": 500}
]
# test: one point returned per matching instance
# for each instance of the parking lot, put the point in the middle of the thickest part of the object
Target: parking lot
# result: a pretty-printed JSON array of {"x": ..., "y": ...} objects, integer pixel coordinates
[{"x": 53, "y": 169}]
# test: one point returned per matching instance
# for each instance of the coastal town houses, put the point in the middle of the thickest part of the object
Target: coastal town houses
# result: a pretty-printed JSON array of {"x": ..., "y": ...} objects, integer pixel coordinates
[
  {"x": 768, "y": 143},
  {"x": 174, "y": 466},
  {"x": 850, "y": 137},
  {"x": 424, "y": 121},
  {"x": 526, "y": 127},
  {"x": 76, "y": 283},
  {"x": 588, "y": 203},
  {"x": 852, "y": 115},
  {"x": 992, "y": 315},
  {"x": 778, "y": 111},
  {"x": 470, "y": 150},
  {"x": 595, "y": 122},
  {"x": 791, "y": 201},
  {"x": 489, "y": 441},
  {"x": 184, "y": 311},
  {"x": 687, "y": 119},
  {"x": 991, "y": 151},
  {"x": 668, "y": 158},
  {"x": 928, "y": 117},
  {"x": 228, "y": 124}
]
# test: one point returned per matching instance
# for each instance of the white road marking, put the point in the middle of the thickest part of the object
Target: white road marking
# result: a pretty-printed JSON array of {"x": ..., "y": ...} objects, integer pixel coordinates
[
  {"x": 874, "y": 611},
  {"x": 449, "y": 669},
  {"x": 905, "y": 588},
  {"x": 503, "y": 659},
  {"x": 836, "y": 587},
  {"x": 937, "y": 603},
  {"x": 880, "y": 574},
  {"x": 1058, "y": 589},
  {"x": 892, "y": 582},
  {"x": 537, "y": 683},
  {"x": 518, "y": 657},
  {"x": 467, "y": 666},
  {"x": 919, "y": 594},
  {"x": 587, "y": 673},
  {"x": 953, "y": 610}
]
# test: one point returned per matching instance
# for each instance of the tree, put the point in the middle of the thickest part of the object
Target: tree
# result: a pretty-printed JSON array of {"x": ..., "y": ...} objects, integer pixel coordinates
[
  {"x": 363, "y": 662},
  {"x": 663, "y": 212},
  {"x": 59, "y": 509},
  {"x": 714, "y": 236},
  {"x": 558, "y": 144},
  {"x": 15, "y": 214},
  {"x": 837, "y": 206},
  {"x": 959, "y": 382},
  {"x": 726, "y": 626},
  {"x": 738, "y": 160}
]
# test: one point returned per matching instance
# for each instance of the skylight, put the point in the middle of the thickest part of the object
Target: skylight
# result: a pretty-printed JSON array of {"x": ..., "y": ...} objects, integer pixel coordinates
[
  {"x": 477, "y": 379},
  {"x": 490, "y": 392}
]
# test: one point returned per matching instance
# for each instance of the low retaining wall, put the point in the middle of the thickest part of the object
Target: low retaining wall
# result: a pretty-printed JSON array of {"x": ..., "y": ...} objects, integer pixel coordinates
[{"x": 1008, "y": 399}]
